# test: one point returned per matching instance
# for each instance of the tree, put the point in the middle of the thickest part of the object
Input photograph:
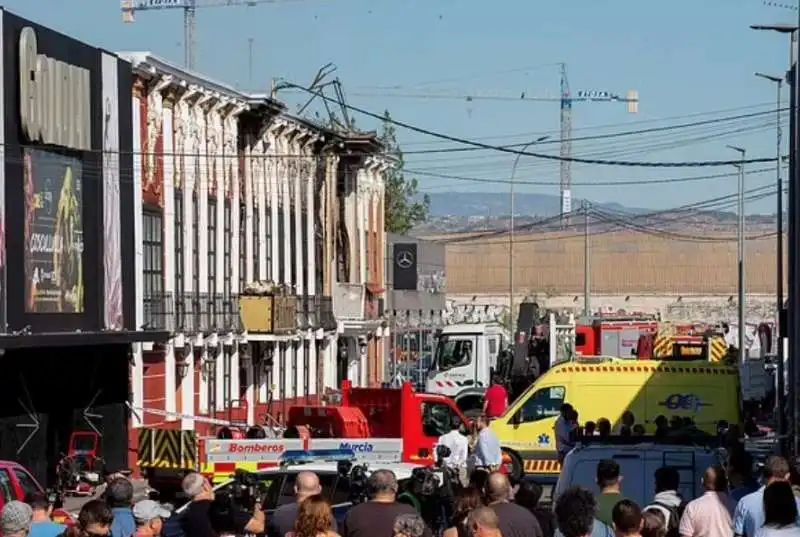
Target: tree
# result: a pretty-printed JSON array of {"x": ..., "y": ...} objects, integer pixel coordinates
[{"x": 404, "y": 208}]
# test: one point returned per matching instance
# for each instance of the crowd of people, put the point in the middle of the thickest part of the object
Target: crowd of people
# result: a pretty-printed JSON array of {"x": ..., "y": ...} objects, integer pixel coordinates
[{"x": 732, "y": 503}]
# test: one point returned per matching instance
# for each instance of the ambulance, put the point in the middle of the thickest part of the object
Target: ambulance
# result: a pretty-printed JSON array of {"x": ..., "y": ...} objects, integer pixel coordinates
[{"x": 603, "y": 387}]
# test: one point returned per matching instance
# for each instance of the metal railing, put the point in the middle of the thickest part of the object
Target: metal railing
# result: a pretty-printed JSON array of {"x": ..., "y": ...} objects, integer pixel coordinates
[{"x": 159, "y": 311}]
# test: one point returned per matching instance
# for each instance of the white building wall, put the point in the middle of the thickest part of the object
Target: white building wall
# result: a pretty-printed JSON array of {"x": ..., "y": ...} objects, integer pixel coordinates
[
  {"x": 137, "y": 375},
  {"x": 249, "y": 192},
  {"x": 171, "y": 402}
]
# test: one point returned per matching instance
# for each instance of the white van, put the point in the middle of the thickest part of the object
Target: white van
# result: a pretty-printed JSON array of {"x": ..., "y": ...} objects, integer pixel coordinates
[{"x": 638, "y": 464}]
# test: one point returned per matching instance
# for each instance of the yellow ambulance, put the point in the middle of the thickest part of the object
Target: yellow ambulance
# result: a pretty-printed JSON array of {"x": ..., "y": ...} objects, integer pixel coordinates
[{"x": 598, "y": 388}]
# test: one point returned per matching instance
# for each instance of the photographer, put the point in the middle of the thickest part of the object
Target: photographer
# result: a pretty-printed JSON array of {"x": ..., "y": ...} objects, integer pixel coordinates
[
  {"x": 227, "y": 518},
  {"x": 282, "y": 521},
  {"x": 375, "y": 518}
]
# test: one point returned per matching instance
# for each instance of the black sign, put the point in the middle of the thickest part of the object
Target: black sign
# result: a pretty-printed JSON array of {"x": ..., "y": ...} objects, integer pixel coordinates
[
  {"x": 53, "y": 233},
  {"x": 680, "y": 401},
  {"x": 405, "y": 266}
]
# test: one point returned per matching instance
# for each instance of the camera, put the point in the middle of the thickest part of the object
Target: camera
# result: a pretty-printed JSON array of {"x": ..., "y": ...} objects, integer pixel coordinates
[
  {"x": 434, "y": 489},
  {"x": 236, "y": 502},
  {"x": 356, "y": 475}
]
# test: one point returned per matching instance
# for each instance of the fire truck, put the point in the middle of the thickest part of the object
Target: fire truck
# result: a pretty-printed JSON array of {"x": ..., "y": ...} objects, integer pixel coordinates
[{"x": 378, "y": 424}]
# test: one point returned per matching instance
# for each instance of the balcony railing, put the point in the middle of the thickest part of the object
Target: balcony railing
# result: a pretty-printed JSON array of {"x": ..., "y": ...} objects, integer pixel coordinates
[
  {"x": 348, "y": 301},
  {"x": 323, "y": 306},
  {"x": 159, "y": 311},
  {"x": 231, "y": 321}
]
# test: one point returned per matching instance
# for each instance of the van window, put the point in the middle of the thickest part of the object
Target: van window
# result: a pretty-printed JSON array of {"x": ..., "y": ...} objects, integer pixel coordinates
[{"x": 543, "y": 403}]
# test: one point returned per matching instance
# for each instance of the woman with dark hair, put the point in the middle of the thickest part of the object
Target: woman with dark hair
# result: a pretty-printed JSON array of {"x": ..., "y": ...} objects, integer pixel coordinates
[
  {"x": 654, "y": 523},
  {"x": 94, "y": 520},
  {"x": 467, "y": 500},
  {"x": 780, "y": 511},
  {"x": 314, "y": 518}
]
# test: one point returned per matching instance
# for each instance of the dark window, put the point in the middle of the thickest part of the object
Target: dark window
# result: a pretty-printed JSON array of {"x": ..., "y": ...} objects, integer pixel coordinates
[
  {"x": 179, "y": 260},
  {"x": 153, "y": 271},
  {"x": 437, "y": 419},
  {"x": 543, "y": 403},
  {"x": 242, "y": 247},
  {"x": 304, "y": 240},
  {"x": 212, "y": 261},
  {"x": 227, "y": 266},
  {"x": 306, "y": 367},
  {"x": 27, "y": 483},
  {"x": 6, "y": 487},
  {"x": 293, "y": 243},
  {"x": 195, "y": 246},
  {"x": 281, "y": 249},
  {"x": 268, "y": 242},
  {"x": 256, "y": 245}
]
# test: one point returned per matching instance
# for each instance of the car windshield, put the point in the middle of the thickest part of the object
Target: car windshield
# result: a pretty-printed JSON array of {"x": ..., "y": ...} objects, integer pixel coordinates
[{"x": 453, "y": 351}]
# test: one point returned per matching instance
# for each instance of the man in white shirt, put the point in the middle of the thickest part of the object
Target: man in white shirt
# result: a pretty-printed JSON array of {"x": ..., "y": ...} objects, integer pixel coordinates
[
  {"x": 487, "y": 454},
  {"x": 457, "y": 443}
]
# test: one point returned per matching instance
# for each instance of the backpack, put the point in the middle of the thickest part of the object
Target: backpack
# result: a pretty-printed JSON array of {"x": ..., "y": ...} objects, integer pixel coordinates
[{"x": 675, "y": 514}]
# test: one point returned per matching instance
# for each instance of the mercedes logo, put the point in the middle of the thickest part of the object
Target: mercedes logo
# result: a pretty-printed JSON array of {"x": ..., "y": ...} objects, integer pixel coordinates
[{"x": 404, "y": 259}]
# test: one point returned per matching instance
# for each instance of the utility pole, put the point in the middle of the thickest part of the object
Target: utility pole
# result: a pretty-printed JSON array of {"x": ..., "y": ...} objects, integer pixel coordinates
[
  {"x": 780, "y": 399},
  {"x": 587, "y": 304},
  {"x": 741, "y": 246},
  {"x": 511, "y": 225}
]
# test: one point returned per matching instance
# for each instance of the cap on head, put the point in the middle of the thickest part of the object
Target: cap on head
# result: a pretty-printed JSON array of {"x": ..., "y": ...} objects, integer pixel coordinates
[
  {"x": 147, "y": 510},
  {"x": 16, "y": 517}
]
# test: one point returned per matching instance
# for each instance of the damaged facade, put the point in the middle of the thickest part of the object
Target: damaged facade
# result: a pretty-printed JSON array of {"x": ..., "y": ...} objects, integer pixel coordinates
[{"x": 239, "y": 198}]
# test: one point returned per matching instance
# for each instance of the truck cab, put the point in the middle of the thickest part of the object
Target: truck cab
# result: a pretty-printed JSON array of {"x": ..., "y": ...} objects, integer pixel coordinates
[{"x": 463, "y": 362}]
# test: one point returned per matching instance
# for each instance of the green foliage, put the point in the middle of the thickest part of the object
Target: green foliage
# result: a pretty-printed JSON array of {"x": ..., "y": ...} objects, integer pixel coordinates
[{"x": 404, "y": 207}]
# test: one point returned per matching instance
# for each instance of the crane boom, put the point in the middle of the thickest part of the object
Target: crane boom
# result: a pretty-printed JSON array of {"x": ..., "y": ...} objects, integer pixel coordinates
[{"x": 189, "y": 7}]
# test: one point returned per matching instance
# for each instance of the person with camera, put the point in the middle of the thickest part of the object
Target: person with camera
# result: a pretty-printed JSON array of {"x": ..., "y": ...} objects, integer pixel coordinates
[
  {"x": 283, "y": 519},
  {"x": 375, "y": 518},
  {"x": 197, "y": 519},
  {"x": 43, "y": 525},
  {"x": 459, "y": 450}
]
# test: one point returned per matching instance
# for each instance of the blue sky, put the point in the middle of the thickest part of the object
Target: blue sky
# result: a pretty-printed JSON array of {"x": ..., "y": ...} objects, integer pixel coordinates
[{"x": 684, "y": 57}]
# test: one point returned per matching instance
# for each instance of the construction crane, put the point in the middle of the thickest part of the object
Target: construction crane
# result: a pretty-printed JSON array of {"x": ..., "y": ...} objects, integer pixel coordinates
[
  {"x": 189, "y": 7},
  {"x": 567, "y": 99}
]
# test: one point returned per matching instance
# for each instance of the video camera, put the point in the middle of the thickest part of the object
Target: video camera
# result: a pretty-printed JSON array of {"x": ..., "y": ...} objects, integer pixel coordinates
[
  {"x": 356, "y": 475},
  {"x": 236, "y": 502},
  {"x": 434, "y": 488}
]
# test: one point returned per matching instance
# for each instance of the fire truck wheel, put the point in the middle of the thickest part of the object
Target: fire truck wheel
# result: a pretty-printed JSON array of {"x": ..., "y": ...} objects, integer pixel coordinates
[{"x": 513, "y": 464}]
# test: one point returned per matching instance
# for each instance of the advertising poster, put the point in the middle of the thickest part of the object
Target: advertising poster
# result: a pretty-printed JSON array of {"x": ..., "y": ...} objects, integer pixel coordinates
[
  {"x": 53, "y": 233},
  {"x": 112, "y": 233}
]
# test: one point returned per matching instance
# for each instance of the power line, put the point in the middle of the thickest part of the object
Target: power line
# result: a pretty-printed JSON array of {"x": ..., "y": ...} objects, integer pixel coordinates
[{"x": 473, "y": 143}]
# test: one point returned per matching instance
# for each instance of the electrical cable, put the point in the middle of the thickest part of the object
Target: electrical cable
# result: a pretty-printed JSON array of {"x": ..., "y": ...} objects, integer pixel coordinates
[{"x": 544, "y": 156}]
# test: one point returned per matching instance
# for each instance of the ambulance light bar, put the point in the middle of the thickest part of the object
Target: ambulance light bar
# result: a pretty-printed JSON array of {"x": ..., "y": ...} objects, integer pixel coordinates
[{"x": 316, "y": 455}]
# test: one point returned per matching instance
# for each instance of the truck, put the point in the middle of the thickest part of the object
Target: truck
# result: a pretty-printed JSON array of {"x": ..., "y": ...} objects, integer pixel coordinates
[
  {"x": 468, "y": 355},
  {"x": 378, "y": 424}
]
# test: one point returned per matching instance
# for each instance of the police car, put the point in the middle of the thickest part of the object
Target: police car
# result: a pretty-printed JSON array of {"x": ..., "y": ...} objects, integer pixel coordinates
[{"x": 279, "y": 481}]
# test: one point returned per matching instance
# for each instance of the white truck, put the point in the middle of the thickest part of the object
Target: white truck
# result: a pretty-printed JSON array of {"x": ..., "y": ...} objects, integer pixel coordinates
[{"x": 467, "y": 355}]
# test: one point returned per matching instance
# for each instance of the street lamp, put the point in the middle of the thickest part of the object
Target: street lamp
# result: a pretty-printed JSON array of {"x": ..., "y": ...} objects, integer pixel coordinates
[
  {"x": 740, "y": 242},
  {"x": 791, "y": 372},
  {"x": 511, "y": 227},
  {"x": 780, "y": 386}
]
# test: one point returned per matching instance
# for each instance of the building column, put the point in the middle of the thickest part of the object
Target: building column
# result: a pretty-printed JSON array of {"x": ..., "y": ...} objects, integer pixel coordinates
[
  {"x": 202, "y": 386},
  {"x": 233, "y": 171},
  {"x": 286, "y": 201},
  {"x": 249, "y": 193},
  {"x": 188, "y": 391},
  {"x": 261, "y": 189},
  {"x": 137, "y": 373},
  {"x": 313, "y": 366},
  {"x": 137, "y": 385},
  {"x": 168, "y": 130}
]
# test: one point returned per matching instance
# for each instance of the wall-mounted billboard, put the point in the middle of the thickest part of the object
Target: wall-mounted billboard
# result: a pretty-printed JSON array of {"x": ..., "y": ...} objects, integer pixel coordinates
[{"x": 54, "y": 265}]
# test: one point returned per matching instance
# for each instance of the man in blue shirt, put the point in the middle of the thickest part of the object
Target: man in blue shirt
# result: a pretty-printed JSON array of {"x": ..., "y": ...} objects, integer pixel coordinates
[
  {"x": 119, "y": 497},
  {"x": 748, "y": 517},
  {"x": 43, "y": 525},
  {"x": 487, "y": 449}
]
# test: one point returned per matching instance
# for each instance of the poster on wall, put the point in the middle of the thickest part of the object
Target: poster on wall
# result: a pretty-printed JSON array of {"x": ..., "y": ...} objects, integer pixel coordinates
[{"x": 53, "y": 233}]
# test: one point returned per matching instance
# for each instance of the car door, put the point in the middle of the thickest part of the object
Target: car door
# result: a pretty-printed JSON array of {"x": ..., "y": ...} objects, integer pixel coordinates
[
  {"x": 534, "y": 422},
  {"x": 26, "y": 482}
]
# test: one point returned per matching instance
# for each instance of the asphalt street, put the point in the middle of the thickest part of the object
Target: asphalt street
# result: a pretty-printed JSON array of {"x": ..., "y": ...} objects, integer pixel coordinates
[{"x": 73, "y": 504}]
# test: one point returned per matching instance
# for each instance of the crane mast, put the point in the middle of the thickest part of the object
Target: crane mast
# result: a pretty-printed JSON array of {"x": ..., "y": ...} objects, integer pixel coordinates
[
  {"x": 189, "y": 7},
  {"x": 567, "y": 100},
  {"x": 566, "y": 148}
]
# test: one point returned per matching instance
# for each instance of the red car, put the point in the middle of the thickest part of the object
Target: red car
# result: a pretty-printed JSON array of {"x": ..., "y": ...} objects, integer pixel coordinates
[{"x": 16, "y": 482}]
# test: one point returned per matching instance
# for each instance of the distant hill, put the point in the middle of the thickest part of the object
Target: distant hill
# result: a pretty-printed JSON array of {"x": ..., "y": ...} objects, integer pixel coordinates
[{"x": 494, "y": 205}]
